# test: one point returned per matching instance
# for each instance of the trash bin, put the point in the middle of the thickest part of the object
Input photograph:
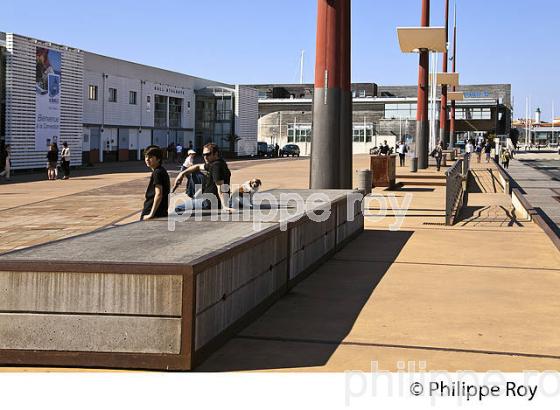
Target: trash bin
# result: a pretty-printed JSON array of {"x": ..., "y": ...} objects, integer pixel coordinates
[
  {"x": 413, "y": 164},
  {"x": 444, "y": 160},
  {"x": 364, "y": 178}
]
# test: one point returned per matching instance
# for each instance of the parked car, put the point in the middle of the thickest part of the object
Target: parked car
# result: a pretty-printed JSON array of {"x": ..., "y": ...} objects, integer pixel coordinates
[
  {"x": 290, "y": 149},
  {"x": 264, "y": 149}
]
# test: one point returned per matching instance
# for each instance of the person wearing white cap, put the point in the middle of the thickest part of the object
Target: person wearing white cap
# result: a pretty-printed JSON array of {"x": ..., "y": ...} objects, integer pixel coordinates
[
  {"x": 189, "y": 161},
  {"x": 193, "y": 179}
]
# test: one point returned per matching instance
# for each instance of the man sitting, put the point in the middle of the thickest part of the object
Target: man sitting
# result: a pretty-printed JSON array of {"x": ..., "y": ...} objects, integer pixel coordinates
[{"x": 216, "y": 185}]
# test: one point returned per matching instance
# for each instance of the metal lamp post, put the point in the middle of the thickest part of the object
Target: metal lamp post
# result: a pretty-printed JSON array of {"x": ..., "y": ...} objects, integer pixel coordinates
[{"x": 422, "y": 40}]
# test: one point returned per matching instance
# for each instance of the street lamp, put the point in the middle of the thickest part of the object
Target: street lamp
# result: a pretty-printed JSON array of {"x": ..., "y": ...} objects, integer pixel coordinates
[{"x": 422, "y": 40}]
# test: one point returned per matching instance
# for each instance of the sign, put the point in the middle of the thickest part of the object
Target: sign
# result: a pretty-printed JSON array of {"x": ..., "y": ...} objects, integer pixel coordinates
[
  {"x": 476, "y": 94},
  {"x": 47, "y": 98}
]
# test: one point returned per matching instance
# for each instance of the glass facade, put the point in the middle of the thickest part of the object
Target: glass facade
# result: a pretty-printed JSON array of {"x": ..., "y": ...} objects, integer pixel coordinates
[
  {"x": 403, "y": 111},
  {"x": 362, "y": 133},
  {"x": 160, "y": 111},
  {"x": 215, "y": 119},
  {"x": 299, "y": 133},
  {"x": 175, "y": 111},
  {"x": 473, "y": 114}
]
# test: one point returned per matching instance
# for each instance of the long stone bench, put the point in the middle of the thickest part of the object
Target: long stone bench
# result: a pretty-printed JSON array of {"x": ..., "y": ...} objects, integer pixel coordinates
[{"x": 142, "y": 296}]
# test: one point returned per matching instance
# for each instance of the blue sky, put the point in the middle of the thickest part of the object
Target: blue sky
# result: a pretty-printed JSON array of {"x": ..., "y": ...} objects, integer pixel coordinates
[{"x": 259, "y": 41}]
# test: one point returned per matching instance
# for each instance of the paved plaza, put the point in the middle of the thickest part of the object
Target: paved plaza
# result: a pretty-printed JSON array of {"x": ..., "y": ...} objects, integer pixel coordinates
[
  {"x": 539, "y": 181},
  {"x": 481, "y": 295}
]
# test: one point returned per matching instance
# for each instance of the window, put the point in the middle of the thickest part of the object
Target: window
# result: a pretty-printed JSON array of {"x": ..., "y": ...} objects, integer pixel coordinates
[
  {"x": 473, "y": 114},
  {"x": 400, "y": 111},
  {"x": 160, "y": 111},
  {"x": 92, "y": 92},
  {"x": 132, "y": 97},
  {"x": 362, "y": 93},
  {"x": 112, "y": 95},
  {"x": 175, "y": 109},
  {"x": 299, "y": 132},
  {"x": 362, "y": 133}
]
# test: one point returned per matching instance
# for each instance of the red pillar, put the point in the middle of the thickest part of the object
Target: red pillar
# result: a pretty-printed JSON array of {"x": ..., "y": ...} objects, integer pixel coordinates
[
  {"x": 345, "y": 160},
  {"x": 325, "y": 172},
  {"x": 422, "y": 120},
  {"x": 452, "y": 138},
  {"x": 443, "y": 120}
]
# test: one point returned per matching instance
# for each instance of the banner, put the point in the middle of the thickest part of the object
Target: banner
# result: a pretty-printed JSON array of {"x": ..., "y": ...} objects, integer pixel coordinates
[{"x": 47, "y": 98}]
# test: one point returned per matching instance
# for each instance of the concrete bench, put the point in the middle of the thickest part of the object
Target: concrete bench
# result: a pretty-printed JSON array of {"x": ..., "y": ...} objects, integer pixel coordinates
[{"x": 143, "y": 297}]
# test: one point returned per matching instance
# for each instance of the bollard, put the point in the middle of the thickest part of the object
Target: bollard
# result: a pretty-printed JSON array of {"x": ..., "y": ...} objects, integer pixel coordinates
[
  {"x": 413, "y": 164},
  {"x": 365, "y": 180}
]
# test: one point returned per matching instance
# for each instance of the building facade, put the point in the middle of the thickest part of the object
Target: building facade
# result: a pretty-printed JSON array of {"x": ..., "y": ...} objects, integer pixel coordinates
[
  {"x": 380, "y": 113},
  {"x": 109, "y": 109}
]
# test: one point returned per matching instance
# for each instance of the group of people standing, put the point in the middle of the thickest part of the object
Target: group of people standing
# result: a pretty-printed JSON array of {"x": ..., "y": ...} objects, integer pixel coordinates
[{"x": 53, "y": 161}]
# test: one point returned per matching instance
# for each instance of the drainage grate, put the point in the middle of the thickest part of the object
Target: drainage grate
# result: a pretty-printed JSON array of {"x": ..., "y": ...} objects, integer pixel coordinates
[{"x": 434, "y": 223}]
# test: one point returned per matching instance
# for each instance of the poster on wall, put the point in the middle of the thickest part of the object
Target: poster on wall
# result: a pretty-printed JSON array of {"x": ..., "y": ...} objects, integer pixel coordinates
[{"x": 47, "y": 98}]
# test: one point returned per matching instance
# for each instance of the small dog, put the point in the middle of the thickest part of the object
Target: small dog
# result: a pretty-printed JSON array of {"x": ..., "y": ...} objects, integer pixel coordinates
[{"x": 243, "y": 196}]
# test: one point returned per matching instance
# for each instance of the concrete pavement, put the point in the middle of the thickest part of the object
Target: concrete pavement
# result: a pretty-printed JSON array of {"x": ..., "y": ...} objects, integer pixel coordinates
[
  {"x": 482, "y": 295},
  {"x": 443, "y": 298}
]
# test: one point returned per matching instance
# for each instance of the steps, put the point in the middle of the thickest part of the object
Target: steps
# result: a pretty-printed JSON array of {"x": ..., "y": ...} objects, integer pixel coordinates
[{"x": 422, "y": 179}]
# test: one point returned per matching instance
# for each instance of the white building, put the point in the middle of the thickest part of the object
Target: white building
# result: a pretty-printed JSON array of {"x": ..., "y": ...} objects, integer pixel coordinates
[{"x": 109, "y": 109}]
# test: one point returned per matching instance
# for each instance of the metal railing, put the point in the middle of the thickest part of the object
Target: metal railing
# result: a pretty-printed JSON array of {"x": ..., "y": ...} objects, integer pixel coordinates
[{"x": 455, "y": 189}]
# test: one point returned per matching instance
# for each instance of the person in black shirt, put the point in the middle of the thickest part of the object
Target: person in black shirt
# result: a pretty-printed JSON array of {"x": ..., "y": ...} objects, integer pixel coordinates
[
  {"x": 52, "y": 159},
  {"x": 157, "y": 193},
  {"x": 216, "y": 185}
]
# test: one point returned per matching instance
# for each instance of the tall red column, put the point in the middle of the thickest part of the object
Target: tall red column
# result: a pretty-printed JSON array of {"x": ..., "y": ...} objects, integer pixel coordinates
[
  {"x": 452, "y": 138},
  {"x": 443, "y": 120},
  {"x": 422, "y": 120},
  {"x": 345, "y": 158},
  {"x": 325, "y": 172}
]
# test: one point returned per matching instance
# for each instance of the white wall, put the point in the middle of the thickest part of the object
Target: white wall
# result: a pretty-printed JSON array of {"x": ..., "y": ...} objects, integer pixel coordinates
[
  {"x": 124, "y": 114},
  {"x": 246, "y": 119},
  {"x": 20, "y": 101}
]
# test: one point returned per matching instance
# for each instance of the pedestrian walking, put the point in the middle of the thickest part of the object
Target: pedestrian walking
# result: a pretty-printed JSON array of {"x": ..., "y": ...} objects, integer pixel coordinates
[
  {"x": 469, "y": 148},
  {"x": 65, "y": 160},
  {"x": 487, "y": 151},
  {"x": 505, "y": 157},
  {"x": 58, "y": 165},
  {"x": 478, "y": 151},
  {"x": 437, "y": 153},
  {"x": 5, "y": 161},
  {"x": 52, "y": 162},
  {"x": 402, "y": 150},
  {"x": 179, "y": 150}
]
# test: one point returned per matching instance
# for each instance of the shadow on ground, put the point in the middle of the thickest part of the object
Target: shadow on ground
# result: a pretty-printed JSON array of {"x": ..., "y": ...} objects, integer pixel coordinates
[{"x": 306, "y": 326}]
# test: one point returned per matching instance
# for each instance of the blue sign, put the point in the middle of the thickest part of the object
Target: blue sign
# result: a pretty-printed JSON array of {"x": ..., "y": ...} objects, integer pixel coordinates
[{"x": 476, "y": 94}]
